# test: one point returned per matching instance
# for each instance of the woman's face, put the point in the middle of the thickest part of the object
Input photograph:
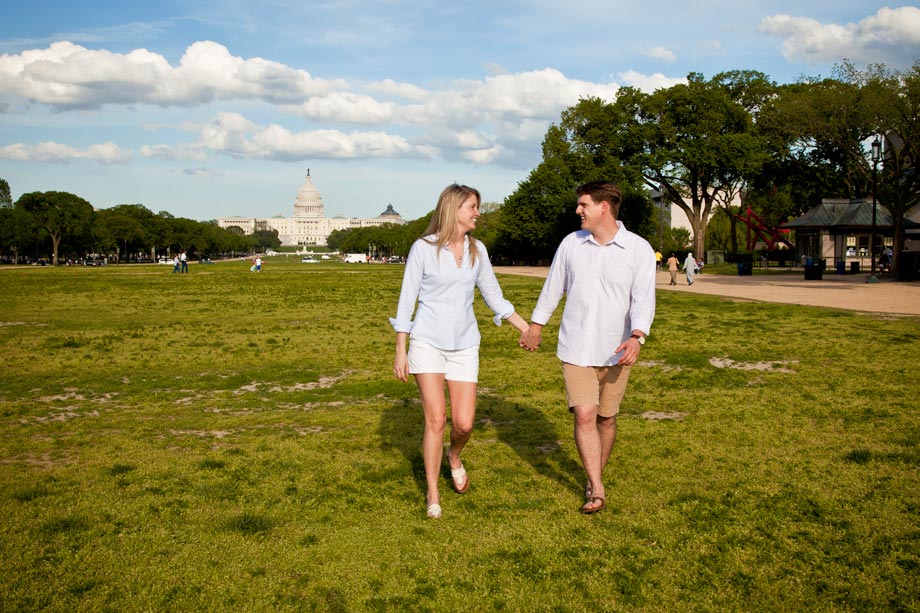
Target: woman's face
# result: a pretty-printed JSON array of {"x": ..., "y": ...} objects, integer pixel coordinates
[{"x": 467, "y": 215}]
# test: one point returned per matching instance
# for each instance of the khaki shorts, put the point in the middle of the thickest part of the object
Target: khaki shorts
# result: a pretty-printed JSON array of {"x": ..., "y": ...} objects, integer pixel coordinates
[{"x": 601, "y": 386}]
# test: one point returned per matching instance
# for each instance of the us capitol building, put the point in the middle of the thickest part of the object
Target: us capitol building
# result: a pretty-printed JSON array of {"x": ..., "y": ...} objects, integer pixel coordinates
[{"x": 309, "y": 226}]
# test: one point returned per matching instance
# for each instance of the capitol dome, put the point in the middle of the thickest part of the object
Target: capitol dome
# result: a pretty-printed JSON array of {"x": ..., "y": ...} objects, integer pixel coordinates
[{"x": 308, "y": 202}]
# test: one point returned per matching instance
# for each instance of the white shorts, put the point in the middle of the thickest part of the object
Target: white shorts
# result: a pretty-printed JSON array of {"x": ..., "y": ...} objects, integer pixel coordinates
[{"x": 456, "y": 365}]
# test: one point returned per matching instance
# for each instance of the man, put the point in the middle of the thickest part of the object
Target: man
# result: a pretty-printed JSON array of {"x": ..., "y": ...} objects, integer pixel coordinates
[
  {"x": 658, "y": 257},
  {"x": 184, "y": 259},
  {"x": 608, "y": 276}
]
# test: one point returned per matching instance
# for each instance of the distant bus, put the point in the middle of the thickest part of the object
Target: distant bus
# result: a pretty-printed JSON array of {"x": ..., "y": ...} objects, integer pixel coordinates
[{"x": 355, "y": 258}]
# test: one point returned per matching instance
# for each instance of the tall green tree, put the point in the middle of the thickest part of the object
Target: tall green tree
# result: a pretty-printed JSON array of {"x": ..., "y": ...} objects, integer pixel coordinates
[
  {"x": 701, "y": 146},
  {"x": 17, "y": 229},
  {"x": 6, "y": 200},
  {"x": 61, "y": 214},
  {"x": 893, "y": 99}
]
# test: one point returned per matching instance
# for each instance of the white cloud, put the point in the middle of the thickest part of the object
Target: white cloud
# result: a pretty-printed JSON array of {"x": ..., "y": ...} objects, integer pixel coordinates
[
  {"x": 233, "y": 134},
  {"x": 182, "y": 151},
  {"x": 891, "y": 35},
  {"x": 66, "y": 75},
  {"x": 660, "y": 53},
  {"x": 104, "y": 153},
  {"x": 202, "y": 172},
  {"x": 499, "y": 119},
  {"x": 649, "y": 83}
]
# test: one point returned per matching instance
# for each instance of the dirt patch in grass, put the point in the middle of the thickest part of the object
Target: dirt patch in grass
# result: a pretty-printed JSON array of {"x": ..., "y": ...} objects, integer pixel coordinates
[
  {"x": 778, "y": 366},
  {"x": 662, "y": 416}
]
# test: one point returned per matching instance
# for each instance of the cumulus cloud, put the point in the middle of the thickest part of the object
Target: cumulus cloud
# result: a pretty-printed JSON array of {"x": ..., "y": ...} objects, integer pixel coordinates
[
  {"x": 660, "y": 53},
  {"x": 891, "y": 36},
  {"x": 649, "y": 83},
  {"x": 500, "y": 118},
  {"x": 182, "y": 151},
  {"x": 104, "y": 153},
  {"x": 66, "y": 76},
  {"x": 235, "y": 135}
]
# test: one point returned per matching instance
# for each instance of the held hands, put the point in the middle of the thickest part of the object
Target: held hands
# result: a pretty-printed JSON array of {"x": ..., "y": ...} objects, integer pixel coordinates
[{"x": 531, "y": 337}]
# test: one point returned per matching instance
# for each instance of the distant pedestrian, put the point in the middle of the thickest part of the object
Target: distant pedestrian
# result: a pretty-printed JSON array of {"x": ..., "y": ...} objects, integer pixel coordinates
[
  {"x": 183, "y": 258},
  {"x": 658, "y": 257},
  {"x": 690, "y": 267},
  {"x": 673, "y": 265},
  {"x": 176, "y": 263}
]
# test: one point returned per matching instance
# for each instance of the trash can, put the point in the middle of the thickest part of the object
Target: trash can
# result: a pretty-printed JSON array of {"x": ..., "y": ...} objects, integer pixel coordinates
[
  {"x": 909, "y": 266},
  {"x": 813, "y": 272},
  {"x": 854, "y": 267},
  {"x": 745, "y": 269},
  {"x": 841, "y": 268}
]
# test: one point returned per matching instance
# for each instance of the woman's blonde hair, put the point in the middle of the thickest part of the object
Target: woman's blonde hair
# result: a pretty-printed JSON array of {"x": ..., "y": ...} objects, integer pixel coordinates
[{"x": 444, "y": 219}]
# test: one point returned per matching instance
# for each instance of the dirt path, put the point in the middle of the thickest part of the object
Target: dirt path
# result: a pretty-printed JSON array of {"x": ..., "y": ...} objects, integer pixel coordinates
[{"x": 836, "y": 291}]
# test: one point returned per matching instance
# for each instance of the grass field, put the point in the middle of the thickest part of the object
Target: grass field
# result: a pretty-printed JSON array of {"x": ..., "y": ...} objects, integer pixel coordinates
[{"x": 230, "y": 441}]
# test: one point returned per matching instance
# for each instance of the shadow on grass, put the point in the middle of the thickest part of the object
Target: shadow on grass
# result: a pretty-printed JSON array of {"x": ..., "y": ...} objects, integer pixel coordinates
[
  {"x": 524, "y": 429},
  {"x": 401, "y": 428},
  {"x": 534, "y": 438}
]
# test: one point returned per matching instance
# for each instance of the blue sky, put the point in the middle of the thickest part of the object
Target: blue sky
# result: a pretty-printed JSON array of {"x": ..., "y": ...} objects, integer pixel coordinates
[{"x": 219, "y": 107}]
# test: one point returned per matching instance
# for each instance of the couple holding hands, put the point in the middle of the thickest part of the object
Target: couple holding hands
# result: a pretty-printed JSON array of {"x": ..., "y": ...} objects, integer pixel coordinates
[{"x": 607, "y": 274}]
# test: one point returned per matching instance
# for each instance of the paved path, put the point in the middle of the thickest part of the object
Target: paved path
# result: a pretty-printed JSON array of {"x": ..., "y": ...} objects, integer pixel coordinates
[{"x": 836, "y": 291}]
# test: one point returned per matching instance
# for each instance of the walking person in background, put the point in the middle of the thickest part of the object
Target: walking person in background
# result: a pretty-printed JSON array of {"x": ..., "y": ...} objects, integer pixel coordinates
[
  {"x": 690, "y": 267},
  {"x": 176, "y": 263},
  {"x": 607, "y": 274},
  {"x": 443, "y": 269},
  {"x": 673, "y": 266},
  {"x": 183, "y": 258}
]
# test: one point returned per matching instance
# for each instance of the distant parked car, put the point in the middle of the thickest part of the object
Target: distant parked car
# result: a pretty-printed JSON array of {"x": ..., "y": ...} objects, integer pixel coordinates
[
  {"x": 355, "y": 258},
  {"x": 395, "y": 259},
  {"x": 308, "y": 260}
]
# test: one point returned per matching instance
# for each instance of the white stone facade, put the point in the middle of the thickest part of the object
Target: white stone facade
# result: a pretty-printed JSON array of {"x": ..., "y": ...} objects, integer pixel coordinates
[{"x": 309, "y": 226}]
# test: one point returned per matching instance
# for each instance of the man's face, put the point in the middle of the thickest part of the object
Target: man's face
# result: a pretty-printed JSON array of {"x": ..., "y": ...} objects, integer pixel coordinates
[{"x": 589, "y": 211}]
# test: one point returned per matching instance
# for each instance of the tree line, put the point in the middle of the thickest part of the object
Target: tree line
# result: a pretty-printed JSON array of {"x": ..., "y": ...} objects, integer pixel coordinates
[
  {"x": 710, "y": 147},
  {"x": 713, "y": 148},
  {"x": 67, "y": 227}
]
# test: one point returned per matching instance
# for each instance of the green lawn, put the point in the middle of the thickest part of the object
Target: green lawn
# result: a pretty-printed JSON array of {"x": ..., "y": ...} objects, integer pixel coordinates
[{"x": 231, "y": 441}]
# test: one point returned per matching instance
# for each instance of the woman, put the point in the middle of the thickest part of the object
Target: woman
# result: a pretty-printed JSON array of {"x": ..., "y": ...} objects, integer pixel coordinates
[
  {"x": 442, "y": 270},
  {"x": 690, "y": 267}
]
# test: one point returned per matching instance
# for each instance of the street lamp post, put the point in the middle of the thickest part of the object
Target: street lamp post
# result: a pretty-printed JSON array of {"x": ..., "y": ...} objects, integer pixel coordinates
[
  {"x": 876, "y": 156},
  {"x": 660, "y": 217}
]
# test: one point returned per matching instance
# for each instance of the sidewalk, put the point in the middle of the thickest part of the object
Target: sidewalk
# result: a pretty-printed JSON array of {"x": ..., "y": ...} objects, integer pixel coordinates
[{"x": 848, "y": 291}]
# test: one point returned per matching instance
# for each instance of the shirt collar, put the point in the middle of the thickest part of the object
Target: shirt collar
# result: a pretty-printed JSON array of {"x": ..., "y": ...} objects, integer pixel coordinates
[{"x": 618, "y": 239}]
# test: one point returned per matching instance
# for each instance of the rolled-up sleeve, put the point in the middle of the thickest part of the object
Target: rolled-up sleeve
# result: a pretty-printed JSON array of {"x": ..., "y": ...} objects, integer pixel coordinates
[{"x": 490, "y": 289}]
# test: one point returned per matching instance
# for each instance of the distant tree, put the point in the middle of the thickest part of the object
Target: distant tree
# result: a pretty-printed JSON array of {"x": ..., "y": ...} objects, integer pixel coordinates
[
  {"x": 265, "y": 239},
  {"x": 6, "y": 200},
  {"x": 61, "y": 214},
  {"x": 120, "y": 228},
  {"x": 17, "y": 229}
]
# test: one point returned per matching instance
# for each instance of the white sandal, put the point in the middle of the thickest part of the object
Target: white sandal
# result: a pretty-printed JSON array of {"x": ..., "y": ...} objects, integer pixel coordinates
[
  {"x": 459, "y": 475},
  {"x": 434, "y": 511}
]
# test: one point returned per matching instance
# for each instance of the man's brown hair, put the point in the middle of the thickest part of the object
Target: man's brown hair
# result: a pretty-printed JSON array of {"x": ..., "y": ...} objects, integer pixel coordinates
[{"x": 600, "y": 191}]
